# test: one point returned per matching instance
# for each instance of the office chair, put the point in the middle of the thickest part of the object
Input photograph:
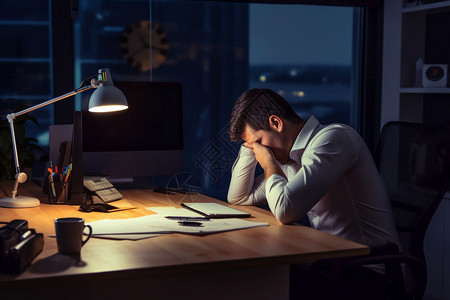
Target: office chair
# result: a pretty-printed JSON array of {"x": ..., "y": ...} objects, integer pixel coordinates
[{"x": 414, "y": 161}]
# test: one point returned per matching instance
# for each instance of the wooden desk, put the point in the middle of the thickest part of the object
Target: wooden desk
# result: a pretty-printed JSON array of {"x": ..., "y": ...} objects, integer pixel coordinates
[{"x": 251, "y": 263}]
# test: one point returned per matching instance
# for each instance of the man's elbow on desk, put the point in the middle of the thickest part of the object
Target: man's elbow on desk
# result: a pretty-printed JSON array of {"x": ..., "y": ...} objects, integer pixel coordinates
[
  {"x": 283, "y": 217},
  {"x": 283, "y": 211},
  {"x": 238, "y": 200}
]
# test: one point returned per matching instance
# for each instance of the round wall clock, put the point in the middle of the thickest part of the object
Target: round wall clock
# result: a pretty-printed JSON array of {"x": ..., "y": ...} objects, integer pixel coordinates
[{"x": 136, "y": 45}]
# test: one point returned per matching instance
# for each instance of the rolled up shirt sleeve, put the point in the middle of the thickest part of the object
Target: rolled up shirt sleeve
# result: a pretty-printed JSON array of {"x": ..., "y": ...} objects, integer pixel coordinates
[{"x": 244, "y": 188}]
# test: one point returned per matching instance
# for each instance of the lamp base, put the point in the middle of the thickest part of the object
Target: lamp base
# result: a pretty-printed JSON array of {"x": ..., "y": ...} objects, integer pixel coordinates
[{"x": 19, "y": 202}]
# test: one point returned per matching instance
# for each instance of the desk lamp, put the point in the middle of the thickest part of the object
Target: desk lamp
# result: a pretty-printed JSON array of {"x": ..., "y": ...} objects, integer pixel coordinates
[{"x": 106, "y": 98}]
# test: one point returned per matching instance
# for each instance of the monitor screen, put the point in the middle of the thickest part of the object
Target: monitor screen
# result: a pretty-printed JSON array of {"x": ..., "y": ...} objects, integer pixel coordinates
[{"x": 144, "y": 140}]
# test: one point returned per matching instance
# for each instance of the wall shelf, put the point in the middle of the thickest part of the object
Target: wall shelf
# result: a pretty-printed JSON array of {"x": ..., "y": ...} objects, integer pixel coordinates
[
  {"x": 424, "y": 7},
  {"x": 421, "y": 90}
]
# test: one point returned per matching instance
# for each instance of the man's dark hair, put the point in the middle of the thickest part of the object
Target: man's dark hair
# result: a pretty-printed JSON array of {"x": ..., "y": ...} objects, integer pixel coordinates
[{"x": 254, "y": 107}]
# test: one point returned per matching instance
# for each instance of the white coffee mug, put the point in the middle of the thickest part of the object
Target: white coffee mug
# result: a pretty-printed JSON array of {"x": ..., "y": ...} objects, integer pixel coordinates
[{"x": 69, "y": 235}]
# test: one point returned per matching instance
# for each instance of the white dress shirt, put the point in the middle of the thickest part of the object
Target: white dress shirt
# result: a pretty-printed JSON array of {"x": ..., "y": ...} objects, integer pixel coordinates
[{"x": 332, "y": 178}]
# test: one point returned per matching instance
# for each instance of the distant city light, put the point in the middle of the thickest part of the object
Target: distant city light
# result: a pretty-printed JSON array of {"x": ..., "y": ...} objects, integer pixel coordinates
[
  {"x": 280, "y": 92},
  {"x": 293, "y": 73},
  {"x": 298, "y": 93},
  {"x": 262, "y": 78}
]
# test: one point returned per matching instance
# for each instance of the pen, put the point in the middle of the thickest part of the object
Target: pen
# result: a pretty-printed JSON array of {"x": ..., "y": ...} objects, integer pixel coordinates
[
  {"x": 181, "y": 218},
  {"x": 187, "y": 223},
  {"x": 50, "y": 179},
  {"x": 68, "y": 170}
]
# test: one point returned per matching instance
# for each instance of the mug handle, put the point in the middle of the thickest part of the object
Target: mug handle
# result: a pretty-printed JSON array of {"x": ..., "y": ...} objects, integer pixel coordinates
[{"x": 88, "y": 236}]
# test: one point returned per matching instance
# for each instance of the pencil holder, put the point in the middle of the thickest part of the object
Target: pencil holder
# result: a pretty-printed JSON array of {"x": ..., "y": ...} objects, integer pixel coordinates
[{"x": 58, "y": 189}]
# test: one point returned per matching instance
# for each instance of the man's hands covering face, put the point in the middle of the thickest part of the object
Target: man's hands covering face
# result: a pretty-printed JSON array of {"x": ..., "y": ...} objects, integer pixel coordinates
[
  {"x": 265, "y": 158},
  {"x": 263, "y": 154}
]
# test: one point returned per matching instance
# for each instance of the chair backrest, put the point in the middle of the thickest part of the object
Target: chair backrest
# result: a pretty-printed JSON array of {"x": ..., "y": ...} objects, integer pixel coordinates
[{"x": 414, "y": 161}]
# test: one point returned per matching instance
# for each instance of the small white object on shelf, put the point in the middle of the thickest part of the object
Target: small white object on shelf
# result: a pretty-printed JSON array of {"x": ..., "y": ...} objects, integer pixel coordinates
[
  {"x": 419, "y": 67},
  {"x": 434, "y": 75}
]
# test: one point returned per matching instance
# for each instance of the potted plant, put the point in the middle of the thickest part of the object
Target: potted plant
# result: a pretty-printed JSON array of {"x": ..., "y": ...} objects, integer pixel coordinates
[{"x": 27, "y": 147}]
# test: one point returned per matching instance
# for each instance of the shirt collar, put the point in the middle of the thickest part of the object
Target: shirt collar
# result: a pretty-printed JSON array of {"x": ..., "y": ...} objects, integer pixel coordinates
[{"x": 303, "y": 137}]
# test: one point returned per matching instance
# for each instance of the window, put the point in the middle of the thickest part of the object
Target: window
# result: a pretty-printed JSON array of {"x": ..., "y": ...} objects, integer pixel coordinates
[
  {"x": 305, "y": 53},
  {"x": 216, "y": 50}
]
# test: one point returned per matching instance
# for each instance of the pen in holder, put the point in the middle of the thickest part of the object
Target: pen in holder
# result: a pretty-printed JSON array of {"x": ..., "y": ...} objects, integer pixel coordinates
[{"x": 58, "y": 186}]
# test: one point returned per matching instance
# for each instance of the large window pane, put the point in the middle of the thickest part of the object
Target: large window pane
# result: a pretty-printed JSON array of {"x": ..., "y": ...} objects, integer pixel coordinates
[
  {"x": 217, "y": 51},
  {"x": 304, "y": 52}
]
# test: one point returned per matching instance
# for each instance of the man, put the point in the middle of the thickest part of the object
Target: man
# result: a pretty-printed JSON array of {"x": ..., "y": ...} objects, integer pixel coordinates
[{"x": 324, "y": 172}]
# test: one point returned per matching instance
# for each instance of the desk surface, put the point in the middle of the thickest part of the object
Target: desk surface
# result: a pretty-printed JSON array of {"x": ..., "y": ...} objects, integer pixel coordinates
[{"x": 273, "y": 245}]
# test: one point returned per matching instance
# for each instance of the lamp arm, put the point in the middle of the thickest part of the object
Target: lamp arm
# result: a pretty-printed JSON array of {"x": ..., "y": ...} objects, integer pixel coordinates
[
  {"x": 16, "y": 159},
  {"x": 27, "y": 110},
  {"x": 22, "y": 177}
]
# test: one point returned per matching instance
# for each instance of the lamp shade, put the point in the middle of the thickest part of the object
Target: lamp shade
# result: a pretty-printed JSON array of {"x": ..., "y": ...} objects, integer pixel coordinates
[{"x": 107, "y": 97}]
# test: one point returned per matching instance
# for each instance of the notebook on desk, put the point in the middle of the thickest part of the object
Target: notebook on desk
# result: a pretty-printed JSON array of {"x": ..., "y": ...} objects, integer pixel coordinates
[{"x": 215, "y": 210}]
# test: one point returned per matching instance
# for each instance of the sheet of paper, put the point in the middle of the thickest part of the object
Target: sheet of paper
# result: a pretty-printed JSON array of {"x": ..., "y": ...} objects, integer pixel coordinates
[
  {"x": 167, "y": 211},
  {"x": 133, "y": 237},
  {"x": 215, "y": 210},
  {"x": 158, "y": 224},
  {"x": 125, "y": 226},
  {"x": 220, "y": 225}
]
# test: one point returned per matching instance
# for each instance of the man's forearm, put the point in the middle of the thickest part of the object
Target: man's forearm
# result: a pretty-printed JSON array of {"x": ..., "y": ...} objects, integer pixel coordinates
[
  {"x": 271, "y": 169},
  {"x": 242, "y": 176}
]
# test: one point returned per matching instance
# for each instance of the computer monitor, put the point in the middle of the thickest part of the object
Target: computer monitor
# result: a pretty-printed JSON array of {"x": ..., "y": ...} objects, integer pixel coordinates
[{"x": 144, "y": 140}]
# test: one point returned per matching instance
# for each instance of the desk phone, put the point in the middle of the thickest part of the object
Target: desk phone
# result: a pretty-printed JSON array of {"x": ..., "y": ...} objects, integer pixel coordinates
[{"x": 101, "y": 187}]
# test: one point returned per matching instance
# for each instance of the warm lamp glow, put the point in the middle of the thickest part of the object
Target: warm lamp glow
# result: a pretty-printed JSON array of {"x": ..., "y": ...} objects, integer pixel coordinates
[{"x": 107, "y": 108}]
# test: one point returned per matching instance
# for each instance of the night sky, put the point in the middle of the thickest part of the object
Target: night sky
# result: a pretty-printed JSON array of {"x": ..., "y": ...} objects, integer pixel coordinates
[{"x": 291, "y": 34}]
